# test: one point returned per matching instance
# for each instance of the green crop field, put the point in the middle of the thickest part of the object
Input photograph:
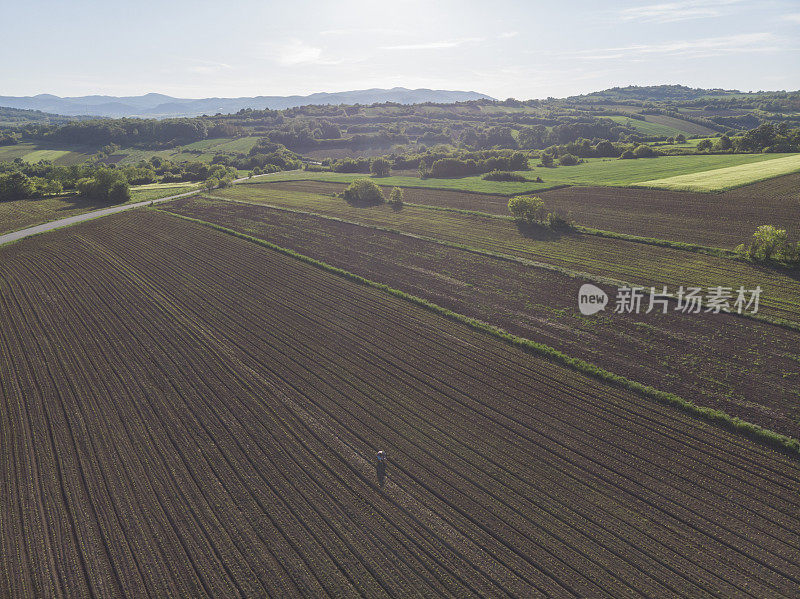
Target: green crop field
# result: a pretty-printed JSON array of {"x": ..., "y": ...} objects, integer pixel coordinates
[
  {"x": 647, "y": 128},
  {"x": 154, "y": 191},
  {"x": 595, "y": 171},
  {"x": 34, "y": 152},
  {"x": 634, "y": 263},
  {"x": 680, "y": 124},
  {"x": 475, "y": 184},
  {"x": 208, "y": 148},
  {"x": 241, "y": 144},
  {"x": 730, "y": 176}
]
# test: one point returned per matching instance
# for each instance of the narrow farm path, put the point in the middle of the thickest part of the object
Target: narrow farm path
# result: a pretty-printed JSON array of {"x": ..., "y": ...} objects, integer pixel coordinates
[{"x": 73, "y": 220}]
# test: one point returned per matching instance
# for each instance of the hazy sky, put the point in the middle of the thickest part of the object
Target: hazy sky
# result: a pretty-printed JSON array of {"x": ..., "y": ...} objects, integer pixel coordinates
[{"x": 522, "y": 49}]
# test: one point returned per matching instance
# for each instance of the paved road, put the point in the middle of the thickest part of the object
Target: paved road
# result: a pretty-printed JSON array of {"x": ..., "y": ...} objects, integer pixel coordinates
[{"x": 64, "y": 222}]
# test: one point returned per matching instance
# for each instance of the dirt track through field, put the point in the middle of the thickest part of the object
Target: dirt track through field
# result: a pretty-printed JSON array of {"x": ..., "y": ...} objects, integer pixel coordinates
[{"x": 187, "y": 414}]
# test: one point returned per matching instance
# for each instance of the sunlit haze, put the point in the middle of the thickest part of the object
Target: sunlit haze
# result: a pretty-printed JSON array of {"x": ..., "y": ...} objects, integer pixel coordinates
[{"x": 519, "y": 49}]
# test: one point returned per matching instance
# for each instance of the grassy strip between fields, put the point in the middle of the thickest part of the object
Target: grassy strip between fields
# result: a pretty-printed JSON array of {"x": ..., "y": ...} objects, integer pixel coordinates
[
  {"x": 573, "y": 274},
  {"x": 408, "y": 182},
  {"x": 718, "y": 417}
]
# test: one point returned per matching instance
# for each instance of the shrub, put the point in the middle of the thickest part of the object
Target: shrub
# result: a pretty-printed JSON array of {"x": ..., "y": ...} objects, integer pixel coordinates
[
  {"x": 705, "y": 145},
  {"x": 569, "y": 160},
  {"x": 380, "y": 167},
  {"x": 527, "y": 209},
  {"x": 106, "y": 185},
  {"x": 453, "y": 167},
  {"x": 503, "y": 176},
  {"x": 363, "y": 191},
  {"x": 16, "y": 186},
  {"x": 724, "y": 144},
  {"x": 396, "y": 197},
  {"x": 558, "y": 220},
  {"x": 644, "y": 151},
  {"x": 770, "y": 243},
  {"x": 119, "y": 192},
  {"x": 350, "y": 165},
  {"x": 627, "y": 155},
  {"x": 606, "y": 148},
  {"x": 547, "y": 160}
]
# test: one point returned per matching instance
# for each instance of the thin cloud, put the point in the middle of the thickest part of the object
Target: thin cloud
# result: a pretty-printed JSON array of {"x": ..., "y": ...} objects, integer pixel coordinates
[
  {"x": 508, "y": 34},
  {"x": 359, "y": 31},
  {"x": 677, "y": 11},
  {"x": 713, "y": 46},
  {"x": 208, "y": 67},
  {"x": 792, "y": 18},
  {"x": 435, "y": 45},
  {"x": 295, "y": 52}
]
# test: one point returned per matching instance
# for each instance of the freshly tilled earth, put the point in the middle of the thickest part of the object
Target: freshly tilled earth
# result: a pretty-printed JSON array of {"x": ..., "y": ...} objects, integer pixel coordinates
[{"x": 188, "y": 414}]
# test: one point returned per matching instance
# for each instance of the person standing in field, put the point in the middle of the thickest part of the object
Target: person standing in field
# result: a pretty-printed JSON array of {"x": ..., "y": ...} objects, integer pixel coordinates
[{"x": 380, "y": 468}]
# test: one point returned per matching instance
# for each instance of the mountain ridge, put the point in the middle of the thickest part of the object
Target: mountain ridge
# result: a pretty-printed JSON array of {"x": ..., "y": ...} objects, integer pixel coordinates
[{"x": 155, "y": 105}]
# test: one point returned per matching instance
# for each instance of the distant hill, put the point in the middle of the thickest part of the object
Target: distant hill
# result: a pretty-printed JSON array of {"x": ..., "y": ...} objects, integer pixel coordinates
[
  {"x": 21, "y": 116},
  {"x": 664, "y": 93},
  {"x": 161, "y": 106}
]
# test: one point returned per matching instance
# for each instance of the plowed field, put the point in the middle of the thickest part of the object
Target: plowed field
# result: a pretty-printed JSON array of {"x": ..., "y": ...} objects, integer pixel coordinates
[{"x": 188, "y": 414}]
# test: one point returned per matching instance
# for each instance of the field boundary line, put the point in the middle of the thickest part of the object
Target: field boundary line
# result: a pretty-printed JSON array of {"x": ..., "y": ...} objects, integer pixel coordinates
[
  {"x": 573, "y": 274},
  {"x": 769, "y": 437}
]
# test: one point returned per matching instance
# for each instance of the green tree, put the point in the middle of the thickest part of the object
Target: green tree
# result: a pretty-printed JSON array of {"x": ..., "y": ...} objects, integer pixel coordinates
[
  {"x": 53, "y": 187},
  {"x": 680, "y": 138},
  {"x": 568, "y": 160},
  {"x": 705, "y": 145},
  {"x": 396, "y": 197},
  {"x": 724, "y": 143},
  {"x": 644, "y": 151},
  {"x": 769, "y": 242},
  {"x": 363, "y": 191},
  {"x": 527, "y": 209},
  {"x": 546, "y": 159},
  {"x": 606, "y": 148},
  {"x": 119, "y": 192},
  {"x": 105, "y": 184},
  {"x": 768, "y": 239},
  {"x": 16, "y": 186},
  {"x": 380, "y": 167}
]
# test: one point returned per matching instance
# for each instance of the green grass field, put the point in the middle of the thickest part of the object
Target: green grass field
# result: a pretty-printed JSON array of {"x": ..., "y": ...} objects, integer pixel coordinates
[
  {"x": 187, "y": 153},
  {"x": 729, "y": 177},
  {"x": 32, "y": 152},
  {"x": 142, "y": 193},
  {"x": 621, "y": 260},
  {"x": 595, "y": 171},
  {"x": 475, "y": 184}
]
